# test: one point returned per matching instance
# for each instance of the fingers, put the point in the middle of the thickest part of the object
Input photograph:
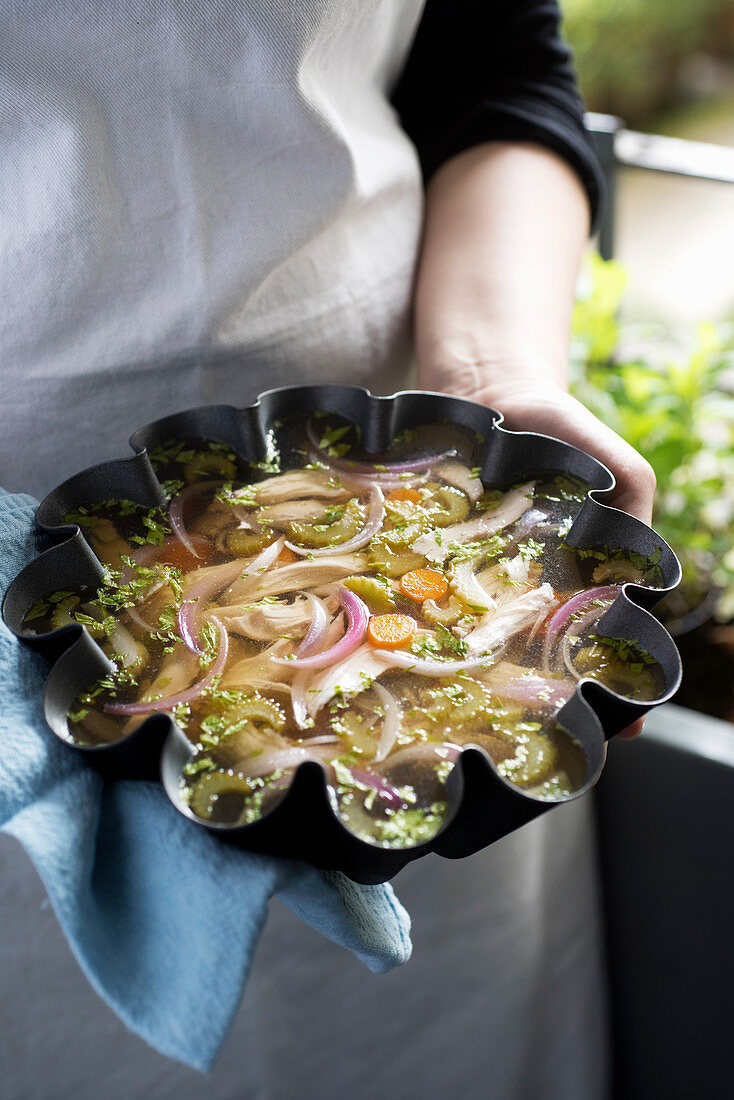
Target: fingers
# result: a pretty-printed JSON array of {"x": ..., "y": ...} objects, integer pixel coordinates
[
  {"x": 553, "y": 412},
  {"x": 635, "y": 490},
  {"x": 633, "y": 731}
]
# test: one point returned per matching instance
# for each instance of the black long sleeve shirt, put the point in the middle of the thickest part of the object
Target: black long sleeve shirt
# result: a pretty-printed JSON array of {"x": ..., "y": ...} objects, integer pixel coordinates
[{"x": 484, "y": 70}]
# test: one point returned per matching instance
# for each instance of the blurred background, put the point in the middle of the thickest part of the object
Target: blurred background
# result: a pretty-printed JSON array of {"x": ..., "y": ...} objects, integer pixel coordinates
[
  {"x": 666, "y": 67},
  {"x": 653, "y": 346},
  {"x": 653, "y": 357}
]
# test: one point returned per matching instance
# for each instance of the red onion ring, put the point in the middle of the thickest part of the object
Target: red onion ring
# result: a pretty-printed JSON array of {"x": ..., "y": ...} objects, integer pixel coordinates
[
  {"x": 527, "y": 689},
  {"x": 387, "y": 481},
  {"x": 199, "y": 593},
  {"x": 266, "y": 762},
  {"x": 140, "y": 621},
  {"x": 145, "y": 556},
  {"x": 184, "y": 696},
  {"x": 176, "y": 511},
  {"x": 357, "y": 619},
  {"x": 375, "y": 514},
  {"x": 445, "y": 751},
  {"x": 566, "y": 610},
  {"x": 390, "y": 721},
  {"x": 314, "y": 638},
  {"x": 415, "y": 465},
  {"x": 384, "y": 789},
  {"x": 299, "y": 687}
]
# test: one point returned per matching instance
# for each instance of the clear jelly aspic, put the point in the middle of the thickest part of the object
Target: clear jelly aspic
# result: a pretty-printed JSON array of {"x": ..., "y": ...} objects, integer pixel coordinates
[{"x": 374, "y": 614}]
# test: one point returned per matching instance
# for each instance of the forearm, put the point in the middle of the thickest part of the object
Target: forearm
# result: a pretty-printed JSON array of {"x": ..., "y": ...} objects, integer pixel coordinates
[{"x": 505, "y": 228}]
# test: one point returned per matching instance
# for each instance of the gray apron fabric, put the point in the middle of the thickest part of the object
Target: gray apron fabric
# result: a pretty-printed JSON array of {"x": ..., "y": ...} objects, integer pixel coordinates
[
  {"x": 200, "y": 176},
  {"x": 200, "y": 201}
]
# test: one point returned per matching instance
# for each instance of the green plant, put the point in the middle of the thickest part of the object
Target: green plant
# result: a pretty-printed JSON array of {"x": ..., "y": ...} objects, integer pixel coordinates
[
  {"x": 629, "y": 52},
  {"x": 676, "y": 407}
]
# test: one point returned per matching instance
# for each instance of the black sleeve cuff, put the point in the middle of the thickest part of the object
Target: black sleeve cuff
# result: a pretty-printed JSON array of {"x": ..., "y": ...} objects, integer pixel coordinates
[
  {"x": 519, "y": 121},
  {"x": 495, "y": 70}
]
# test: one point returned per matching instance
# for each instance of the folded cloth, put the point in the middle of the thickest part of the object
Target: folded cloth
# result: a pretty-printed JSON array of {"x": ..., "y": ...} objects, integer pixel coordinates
[{"x": 162, "y": 917}]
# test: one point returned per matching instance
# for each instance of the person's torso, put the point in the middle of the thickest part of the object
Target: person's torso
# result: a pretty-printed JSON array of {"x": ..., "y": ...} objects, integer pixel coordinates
[{"x": 190, "y": 181}]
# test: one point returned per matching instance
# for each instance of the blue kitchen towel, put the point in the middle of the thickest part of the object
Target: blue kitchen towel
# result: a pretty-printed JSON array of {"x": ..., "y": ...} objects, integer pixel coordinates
[{"x": 163, "y": 918}]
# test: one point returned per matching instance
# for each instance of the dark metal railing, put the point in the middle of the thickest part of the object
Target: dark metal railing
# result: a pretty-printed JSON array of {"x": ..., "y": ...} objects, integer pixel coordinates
[{"x": 618, "y": 148}]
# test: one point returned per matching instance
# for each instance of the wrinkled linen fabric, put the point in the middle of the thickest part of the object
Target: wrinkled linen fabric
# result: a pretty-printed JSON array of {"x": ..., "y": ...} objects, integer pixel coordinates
[
  {"x": 181, "y": 180},
  {"x": 163, "y": 917}
]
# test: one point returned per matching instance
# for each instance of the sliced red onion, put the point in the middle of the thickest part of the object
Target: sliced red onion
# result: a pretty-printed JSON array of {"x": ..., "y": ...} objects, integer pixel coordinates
[
  {"x": 200, "y": 593},
  {"x": 390, "y": 721},
  {"x": 445, "y": 751},
  {"x": 146, "y": 556},
  {"x": 140, "y": 621},
  {"x": 387, "y": 481},
  {"x": 251, "y": 572},
  {"x": 568, "y": 641},
  {"x": 528, "y": 689},
  {"x": 375, "y": 514},
  {"x": 265, "y": 558},
  {"x": 571, "y": 635},
  {"x": 581, "y": 599},
  {"x": 398, "y": 658},
  {"x": 314, "y": 638},
  {"x": 384, "y": 789},
  {"x": 357, "y": 619},
  {"x": 415, "y": 465},
  {"x": 281, "y": 760},
  {"x": 184, "y": 696},
  {"x": 176, "y": 511},
  {"x": 299, "y": 687},
  {"x": 468, "y": 586}
]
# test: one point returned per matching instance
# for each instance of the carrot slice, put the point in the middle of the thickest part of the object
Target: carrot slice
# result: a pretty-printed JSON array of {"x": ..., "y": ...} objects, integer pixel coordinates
[
  {"x": 423, "y": 584},
  {"x": 411, "y": 495},
  {"x": 391, "y": 631}
]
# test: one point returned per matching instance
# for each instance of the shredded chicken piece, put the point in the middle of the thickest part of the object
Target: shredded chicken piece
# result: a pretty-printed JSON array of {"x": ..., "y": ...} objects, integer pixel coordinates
[
  {"x": 514, "y": 505},
  {"x": 226, "y": 572},
  {"x": 301, "y": 483},
  {"x": 268, "y": 622},
  {"x": 460, "y": 476},
  {"x": 292, "y": 511},
  {"x": 348, "y": 678},
  {"x": 255, "y": 671},
  {"x": 177, "y": 672},
  {"x": 297, "y": 576},
  {"x": 505, "y": 579},
  {"x": 498, "y": 625}
]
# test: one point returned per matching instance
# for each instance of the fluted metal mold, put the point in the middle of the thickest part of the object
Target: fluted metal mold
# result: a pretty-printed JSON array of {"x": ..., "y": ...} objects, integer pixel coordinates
[{"x": 483, "y": 806}]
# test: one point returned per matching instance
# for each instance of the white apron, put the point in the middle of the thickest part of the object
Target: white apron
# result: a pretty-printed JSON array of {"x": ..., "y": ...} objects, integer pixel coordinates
[{"x": 183, "y": 181}]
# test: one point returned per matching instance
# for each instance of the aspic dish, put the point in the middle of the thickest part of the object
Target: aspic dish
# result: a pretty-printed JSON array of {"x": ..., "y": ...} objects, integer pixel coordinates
[{"x": 373, "y": 613}]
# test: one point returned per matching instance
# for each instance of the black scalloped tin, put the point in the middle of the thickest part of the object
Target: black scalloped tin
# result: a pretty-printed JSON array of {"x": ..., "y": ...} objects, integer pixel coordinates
[{"x": 483, "y": 806}]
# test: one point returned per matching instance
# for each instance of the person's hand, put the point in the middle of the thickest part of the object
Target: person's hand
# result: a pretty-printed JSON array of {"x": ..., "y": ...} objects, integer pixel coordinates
[
  {"x": 540, "y": 406},
  {"x": 543, "y": 406}
]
